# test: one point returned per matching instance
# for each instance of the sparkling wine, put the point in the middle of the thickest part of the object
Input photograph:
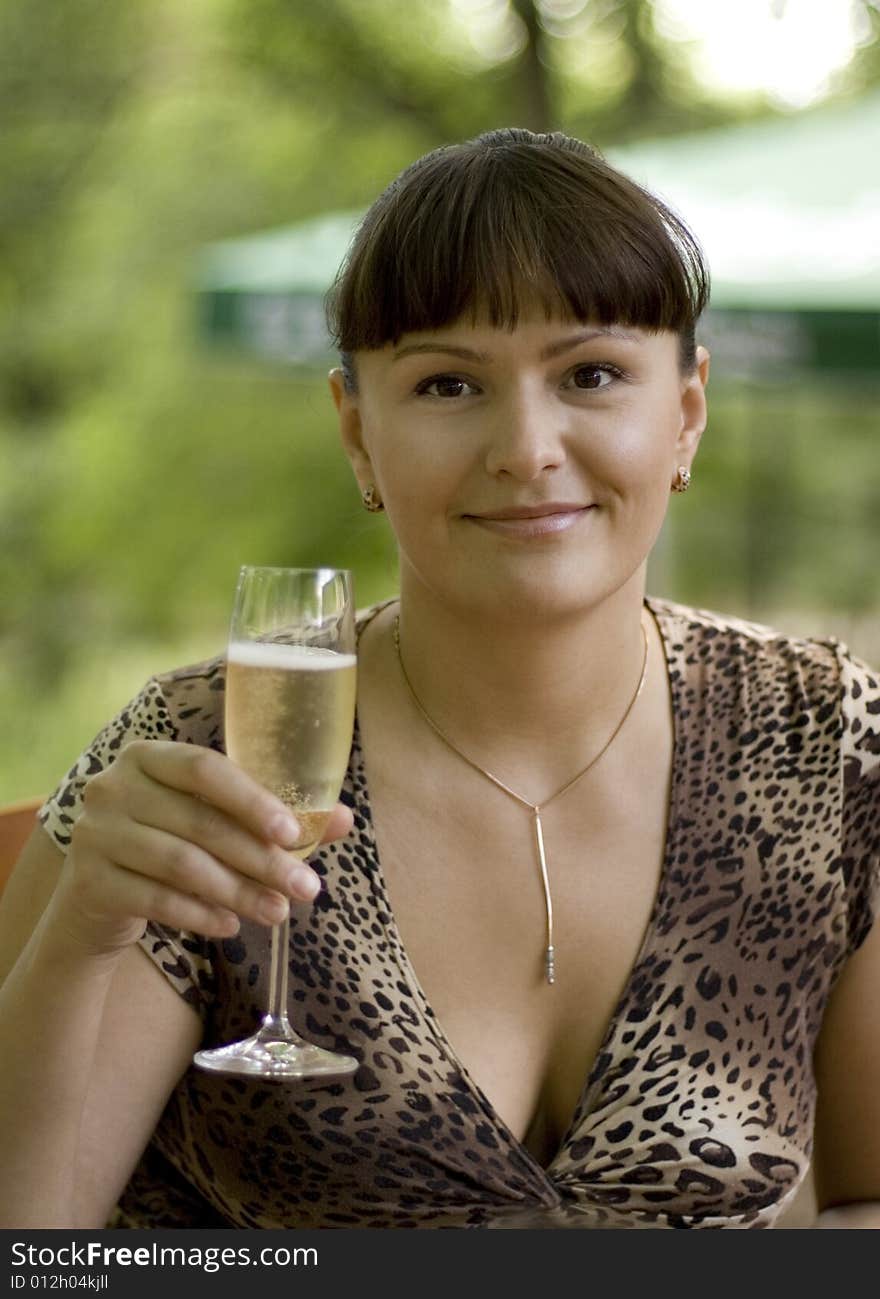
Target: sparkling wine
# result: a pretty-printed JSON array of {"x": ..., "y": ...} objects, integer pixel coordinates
[{"x": 289, "y": 716}]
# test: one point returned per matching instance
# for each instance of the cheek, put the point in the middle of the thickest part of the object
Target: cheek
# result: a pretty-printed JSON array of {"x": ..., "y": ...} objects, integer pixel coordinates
[
  {"x": 419, "y": 486},
  {"x": 419, "y": 464},
  {"x": 389, "y": 449},
  {"x": 642, "y": 445}
]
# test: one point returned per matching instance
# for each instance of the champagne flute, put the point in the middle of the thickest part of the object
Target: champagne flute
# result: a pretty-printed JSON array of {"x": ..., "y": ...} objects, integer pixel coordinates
[{"x": 290, "y": 701}]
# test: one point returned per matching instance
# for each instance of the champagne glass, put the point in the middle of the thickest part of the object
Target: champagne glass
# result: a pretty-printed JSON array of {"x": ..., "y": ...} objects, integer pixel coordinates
[{"x": 290, "y": 701}]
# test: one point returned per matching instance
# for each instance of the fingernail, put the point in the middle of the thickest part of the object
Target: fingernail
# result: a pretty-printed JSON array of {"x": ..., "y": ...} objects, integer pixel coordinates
[
  {"x": 285, "y": 830},
  {"x": 273, "y": 908},
  {"x": 304, "y": 882}
]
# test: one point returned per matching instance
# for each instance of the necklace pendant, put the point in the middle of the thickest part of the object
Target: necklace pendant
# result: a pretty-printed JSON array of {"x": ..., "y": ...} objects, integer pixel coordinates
[{"x": 550, "y": 964}]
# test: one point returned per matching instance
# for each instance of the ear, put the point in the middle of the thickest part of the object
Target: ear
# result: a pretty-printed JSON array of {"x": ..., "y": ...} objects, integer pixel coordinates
[
  {"x": 351, "y": 428},
  {"x": 693, "y": 410}
]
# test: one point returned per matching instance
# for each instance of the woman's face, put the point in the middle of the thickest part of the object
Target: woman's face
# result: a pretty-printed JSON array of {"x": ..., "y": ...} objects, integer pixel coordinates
[{"x": 526, "y": 469}]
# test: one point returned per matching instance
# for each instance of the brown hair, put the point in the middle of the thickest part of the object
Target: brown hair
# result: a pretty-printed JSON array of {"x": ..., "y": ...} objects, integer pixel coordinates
[{"x": 472, "y": 229}]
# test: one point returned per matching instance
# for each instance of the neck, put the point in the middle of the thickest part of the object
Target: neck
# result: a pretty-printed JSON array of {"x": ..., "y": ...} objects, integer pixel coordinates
[{"x": 531, "y": 700}]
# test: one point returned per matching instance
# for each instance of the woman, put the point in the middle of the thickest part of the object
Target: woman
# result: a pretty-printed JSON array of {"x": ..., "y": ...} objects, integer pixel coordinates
[{"x": 612, "y": 861}]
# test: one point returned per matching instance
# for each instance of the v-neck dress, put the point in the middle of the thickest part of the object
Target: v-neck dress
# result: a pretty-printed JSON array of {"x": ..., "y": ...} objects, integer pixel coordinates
[{"x": 698, "y": 1110}]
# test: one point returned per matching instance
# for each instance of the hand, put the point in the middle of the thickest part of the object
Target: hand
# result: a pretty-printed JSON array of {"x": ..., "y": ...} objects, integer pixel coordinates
[{"x": 179, "y": 834}]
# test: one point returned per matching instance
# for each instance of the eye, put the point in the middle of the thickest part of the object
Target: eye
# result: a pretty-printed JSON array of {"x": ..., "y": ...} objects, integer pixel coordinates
[
  {"x": 591, "y": 377},
  {"x": 445, "y": 385}
]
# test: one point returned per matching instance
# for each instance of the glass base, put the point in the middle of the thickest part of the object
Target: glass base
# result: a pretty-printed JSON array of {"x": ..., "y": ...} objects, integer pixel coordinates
[{"x": 269, "y": 1054}]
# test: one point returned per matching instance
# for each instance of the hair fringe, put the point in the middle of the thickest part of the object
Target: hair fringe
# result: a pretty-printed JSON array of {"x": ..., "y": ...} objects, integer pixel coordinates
[{"x": 481, "y": 228}]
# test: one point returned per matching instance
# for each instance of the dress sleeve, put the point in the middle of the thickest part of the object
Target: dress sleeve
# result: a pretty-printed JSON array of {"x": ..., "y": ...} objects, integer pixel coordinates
[
  {"x": 186, "y": 960},
  {"x": 860, "y": 717}
]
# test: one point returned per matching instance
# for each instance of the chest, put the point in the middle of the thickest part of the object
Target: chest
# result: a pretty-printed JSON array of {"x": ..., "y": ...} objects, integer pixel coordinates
[{"x": 460, "y": 863}]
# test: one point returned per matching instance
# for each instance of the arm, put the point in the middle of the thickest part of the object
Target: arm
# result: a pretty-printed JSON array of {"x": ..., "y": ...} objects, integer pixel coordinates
[
  {"x": 98, "y": 1043},
  {"x": 847, "y": 1062},
  {"x": 91, "y": 1037}
]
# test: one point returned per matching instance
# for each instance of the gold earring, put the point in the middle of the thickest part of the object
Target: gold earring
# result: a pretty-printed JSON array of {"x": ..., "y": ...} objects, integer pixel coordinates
[
  {"x": 371, "y": 500},
  {"x": 682, "y": 479}
]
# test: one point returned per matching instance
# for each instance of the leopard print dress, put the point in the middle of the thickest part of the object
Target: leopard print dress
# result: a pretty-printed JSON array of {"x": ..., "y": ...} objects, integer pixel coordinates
[{"x": 698, "y": 1111}]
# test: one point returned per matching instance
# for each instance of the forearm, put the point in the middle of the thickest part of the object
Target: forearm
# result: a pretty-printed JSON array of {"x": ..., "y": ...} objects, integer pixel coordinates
[
  {"x": 51, "y": 1007},
  {"x": 863, "y": 1216}
]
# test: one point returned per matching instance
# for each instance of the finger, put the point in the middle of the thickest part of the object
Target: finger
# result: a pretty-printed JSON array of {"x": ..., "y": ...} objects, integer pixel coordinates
[
  {"x": 175, "y": 864},
  {"x": 157, "y": 902},
  {"x": 219, "y": 781},
  {"x": 339, "y": 825},
  {"x": 194, "y": 820}
]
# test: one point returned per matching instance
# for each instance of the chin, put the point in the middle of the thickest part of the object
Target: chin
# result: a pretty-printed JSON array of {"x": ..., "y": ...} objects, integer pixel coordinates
[{"x": 529, "y": 597}]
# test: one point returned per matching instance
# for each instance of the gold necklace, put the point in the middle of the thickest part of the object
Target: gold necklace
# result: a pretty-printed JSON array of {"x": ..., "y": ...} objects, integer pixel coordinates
[{"x": 535, "y": 808}]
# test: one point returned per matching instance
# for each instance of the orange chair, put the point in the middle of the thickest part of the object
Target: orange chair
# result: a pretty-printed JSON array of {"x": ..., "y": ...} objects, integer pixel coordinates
[{"x": 17, "y": 820}]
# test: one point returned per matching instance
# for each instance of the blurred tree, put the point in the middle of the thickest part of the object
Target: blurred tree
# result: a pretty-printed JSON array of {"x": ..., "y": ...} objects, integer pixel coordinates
[
  {"x": 596, "y": 66},
  {"x": 536, "y": 113},
  {"x": 65, "y": 72},
  {"x": 363, "y": 63}
]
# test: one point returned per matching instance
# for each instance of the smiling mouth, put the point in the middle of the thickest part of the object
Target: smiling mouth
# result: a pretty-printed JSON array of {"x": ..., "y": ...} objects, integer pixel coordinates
[{"x": 532, "y": 521}]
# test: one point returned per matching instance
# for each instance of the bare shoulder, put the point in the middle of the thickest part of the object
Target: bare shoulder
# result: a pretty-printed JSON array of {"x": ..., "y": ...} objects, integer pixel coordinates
[{"x": 847, "y": 1062}]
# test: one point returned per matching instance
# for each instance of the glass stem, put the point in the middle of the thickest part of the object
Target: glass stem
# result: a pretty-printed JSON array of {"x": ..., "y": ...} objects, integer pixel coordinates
[{"x": 276, "y": 1019}]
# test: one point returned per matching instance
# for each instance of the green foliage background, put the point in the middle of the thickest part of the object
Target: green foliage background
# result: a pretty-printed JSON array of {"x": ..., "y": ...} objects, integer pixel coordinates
[{"x": 138, "y": 470}]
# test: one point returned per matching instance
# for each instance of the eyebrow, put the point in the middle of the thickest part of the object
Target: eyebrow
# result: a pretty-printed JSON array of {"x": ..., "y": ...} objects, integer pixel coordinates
[{"x": 552, "y": 350}]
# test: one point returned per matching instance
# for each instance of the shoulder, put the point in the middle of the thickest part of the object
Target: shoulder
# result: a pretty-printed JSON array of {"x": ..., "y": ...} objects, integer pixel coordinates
[
  {"x": 746, "y": 680},
  {"x": 791, "y": 723},
  {"x": 813, "y": 673},
  {"x": 365, "y": 616},
  {"x": 192, "y": 697},
  {"x": 703, "y": 630},
  {"x": 860, "y": 694},
  {"x": 185, "y": 704}
]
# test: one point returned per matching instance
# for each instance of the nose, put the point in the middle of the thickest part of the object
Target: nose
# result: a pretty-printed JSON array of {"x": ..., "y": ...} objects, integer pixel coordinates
[{"x": 526, "y": 436}]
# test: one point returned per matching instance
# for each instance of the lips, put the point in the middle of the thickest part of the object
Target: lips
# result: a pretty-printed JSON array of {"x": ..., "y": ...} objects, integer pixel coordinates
[
  {"x": 532, "y": 511},
  {"x": 527, "y": 521}
]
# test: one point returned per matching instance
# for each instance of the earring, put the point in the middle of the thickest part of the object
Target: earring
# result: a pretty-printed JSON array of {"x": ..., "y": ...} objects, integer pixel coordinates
[
  {"x": 682, "y": 480},
  {"x": 371, "y": 500}
]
